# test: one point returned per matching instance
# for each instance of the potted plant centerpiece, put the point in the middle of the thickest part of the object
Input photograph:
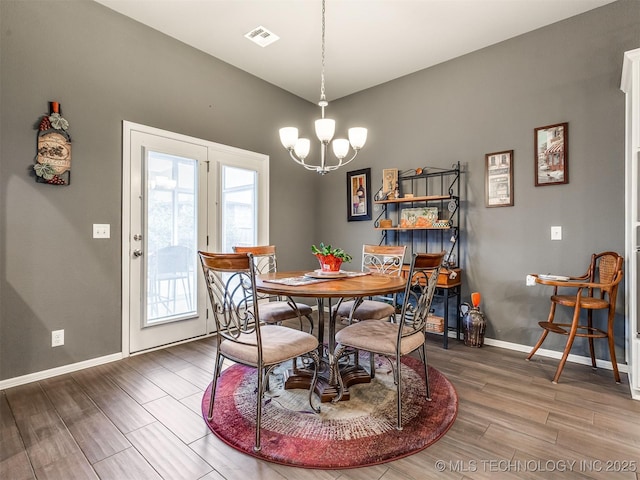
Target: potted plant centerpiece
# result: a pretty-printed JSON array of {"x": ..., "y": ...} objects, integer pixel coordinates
[{"x": 330, "y": 258}]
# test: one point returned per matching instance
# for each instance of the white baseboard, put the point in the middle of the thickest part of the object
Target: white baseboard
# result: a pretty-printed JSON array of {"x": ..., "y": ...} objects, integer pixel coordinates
[
  {"x": 622, "y": 367},
  {"x": 54, "y": 372}
]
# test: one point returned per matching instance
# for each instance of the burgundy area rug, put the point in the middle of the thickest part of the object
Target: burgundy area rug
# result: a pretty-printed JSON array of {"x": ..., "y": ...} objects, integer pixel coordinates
[{"x": 354, "y": 433}]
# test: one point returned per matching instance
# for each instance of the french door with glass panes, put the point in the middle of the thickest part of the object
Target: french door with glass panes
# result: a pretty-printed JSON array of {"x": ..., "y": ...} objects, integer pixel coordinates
[{"x": 184, "y": 195}]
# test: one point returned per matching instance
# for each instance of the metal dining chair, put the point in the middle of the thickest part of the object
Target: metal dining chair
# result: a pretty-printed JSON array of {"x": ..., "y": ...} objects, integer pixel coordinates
[
  {"x": 168, "y": 266},
  {"x": 381, "y": 260},
  {"x": 242, "y": 337},
  {"x": 275, "y": 308},
  {"x": 393, "y": 340}
]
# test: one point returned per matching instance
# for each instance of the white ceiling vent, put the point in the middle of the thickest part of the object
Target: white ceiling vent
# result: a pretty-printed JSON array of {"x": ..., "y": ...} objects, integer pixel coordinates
[{"x": 261, "y": 36}]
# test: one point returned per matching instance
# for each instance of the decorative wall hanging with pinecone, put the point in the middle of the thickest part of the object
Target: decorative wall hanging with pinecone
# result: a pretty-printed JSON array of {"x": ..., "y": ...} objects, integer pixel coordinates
[{"x": 53, "y": 161}]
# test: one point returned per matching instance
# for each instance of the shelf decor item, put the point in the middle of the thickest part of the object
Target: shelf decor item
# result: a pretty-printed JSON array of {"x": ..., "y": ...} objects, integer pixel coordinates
[
  {"x": 330, "y": 258},
  {"x": 499, "y": 179},
  {"x": 551, "y": 156},
  {"x": 53, "y": 159},
  {"x": 389, "y": 180},
  {"x": 473, "y": 322},
  {"x": 441, "y": 223},
  {"x": 435, "y": 323},
  {"x": 359, "y": 195},
  {"x": 423, "y": 217}
]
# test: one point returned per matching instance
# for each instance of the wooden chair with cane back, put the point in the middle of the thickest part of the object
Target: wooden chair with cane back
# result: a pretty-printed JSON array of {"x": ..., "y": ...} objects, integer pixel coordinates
[{"x": 597, "y": 289}]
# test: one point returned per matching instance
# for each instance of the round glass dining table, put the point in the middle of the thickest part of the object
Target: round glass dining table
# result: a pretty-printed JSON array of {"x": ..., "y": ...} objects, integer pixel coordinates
[{"x": 310, "y": 284}]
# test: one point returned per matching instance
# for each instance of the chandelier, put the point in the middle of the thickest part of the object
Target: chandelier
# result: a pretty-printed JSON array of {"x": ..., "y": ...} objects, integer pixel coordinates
[{"x": 325, "y": 128}]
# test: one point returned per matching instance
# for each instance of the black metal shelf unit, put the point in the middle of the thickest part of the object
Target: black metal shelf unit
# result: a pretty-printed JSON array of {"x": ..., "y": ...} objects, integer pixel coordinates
[{"x": 415, "y": 223}]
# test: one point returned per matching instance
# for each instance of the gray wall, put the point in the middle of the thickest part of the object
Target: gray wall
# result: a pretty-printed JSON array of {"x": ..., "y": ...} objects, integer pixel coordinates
[
  {"x": 490, "y": 101},
  {"x": 105, "y": 68}
]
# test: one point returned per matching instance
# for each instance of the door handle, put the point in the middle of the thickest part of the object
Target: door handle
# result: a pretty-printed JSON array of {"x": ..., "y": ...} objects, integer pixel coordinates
[{"x": 137, "y": 253}]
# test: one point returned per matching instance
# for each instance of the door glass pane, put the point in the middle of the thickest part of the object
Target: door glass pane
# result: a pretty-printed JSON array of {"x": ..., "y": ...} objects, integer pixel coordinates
[
  {"x": 171, "y": 233},
  {"x": 239, "y": 210}
]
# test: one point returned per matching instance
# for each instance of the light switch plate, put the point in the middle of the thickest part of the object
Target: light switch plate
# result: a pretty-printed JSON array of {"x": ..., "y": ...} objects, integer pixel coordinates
[
  {"x": 556, "y": 233},
  {"x": 101, "y": 230}
]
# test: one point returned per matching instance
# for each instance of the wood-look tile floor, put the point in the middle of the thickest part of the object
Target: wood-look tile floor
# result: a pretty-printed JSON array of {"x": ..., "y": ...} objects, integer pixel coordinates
[{"x": 139, "y": 418}]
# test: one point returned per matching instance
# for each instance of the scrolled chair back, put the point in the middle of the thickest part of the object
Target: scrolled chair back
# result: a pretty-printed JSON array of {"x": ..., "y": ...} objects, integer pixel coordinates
[
  {"x": 383, "y": 259},
  {"x": 264, "y": 257},
  {"x": 230, "y": 280},
  {"x": 264, "y": 261},
  {"x": 418, "y": 294}
]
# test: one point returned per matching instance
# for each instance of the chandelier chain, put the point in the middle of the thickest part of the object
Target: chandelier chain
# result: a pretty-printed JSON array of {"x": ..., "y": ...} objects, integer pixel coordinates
[{"x": 322, "y": 96}]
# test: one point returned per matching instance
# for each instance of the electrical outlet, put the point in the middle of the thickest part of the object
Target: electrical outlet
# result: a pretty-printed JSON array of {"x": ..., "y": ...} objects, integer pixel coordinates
[
  {"x": 101, "y": 230},
  {"x": 556, "y": 233},
  {"x": 57, "y": 338}
]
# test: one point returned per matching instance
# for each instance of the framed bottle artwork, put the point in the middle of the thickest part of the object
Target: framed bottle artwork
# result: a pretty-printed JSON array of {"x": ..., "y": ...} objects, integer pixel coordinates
[{"x": 359, "y": 195}]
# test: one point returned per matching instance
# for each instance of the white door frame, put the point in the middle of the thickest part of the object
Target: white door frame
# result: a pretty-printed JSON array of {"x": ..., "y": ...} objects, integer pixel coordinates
[
  {"x": 630, "y": 85},
  {"x": 217, "y": 154}
]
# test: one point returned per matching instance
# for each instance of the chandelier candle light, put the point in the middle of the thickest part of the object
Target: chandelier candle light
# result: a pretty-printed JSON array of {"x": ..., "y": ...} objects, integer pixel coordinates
[{"x": 325, "y": 128}]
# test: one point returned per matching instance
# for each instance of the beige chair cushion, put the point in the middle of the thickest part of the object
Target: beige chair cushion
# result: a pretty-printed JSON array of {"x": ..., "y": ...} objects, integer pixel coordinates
[
  {"x": 378, "y": 336},
  {"x": 278, "y": 345},
  {"x": 367, "y": 310},
  {"x": 274, "y": 312}
]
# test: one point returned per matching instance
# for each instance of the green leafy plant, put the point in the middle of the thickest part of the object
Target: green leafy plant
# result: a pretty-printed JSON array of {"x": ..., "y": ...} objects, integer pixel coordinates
[{"x": 329, "y": 250}]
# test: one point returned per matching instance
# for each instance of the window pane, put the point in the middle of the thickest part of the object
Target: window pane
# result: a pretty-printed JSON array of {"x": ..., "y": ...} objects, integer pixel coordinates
[
  {"x": 239, "y": 210},
  {"x": 172, "y": 234}
]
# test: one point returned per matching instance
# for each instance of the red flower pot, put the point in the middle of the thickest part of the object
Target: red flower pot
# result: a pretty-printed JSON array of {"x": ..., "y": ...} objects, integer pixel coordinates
[{"x": 329, "y": 263}]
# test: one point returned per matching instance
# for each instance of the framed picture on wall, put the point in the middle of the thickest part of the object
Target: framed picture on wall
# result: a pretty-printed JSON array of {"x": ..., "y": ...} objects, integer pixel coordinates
[
  {"x": 551, "y": 157},
  {"x": 389, "y": 180},
  {"x": 359, "y": 195},
  {"x": 499, "y": 179}
]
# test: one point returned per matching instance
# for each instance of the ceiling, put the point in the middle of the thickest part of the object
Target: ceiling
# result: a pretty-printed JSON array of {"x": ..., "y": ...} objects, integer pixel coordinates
[{"x": 368, "y": 42}]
